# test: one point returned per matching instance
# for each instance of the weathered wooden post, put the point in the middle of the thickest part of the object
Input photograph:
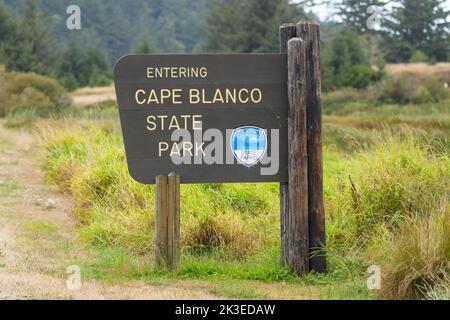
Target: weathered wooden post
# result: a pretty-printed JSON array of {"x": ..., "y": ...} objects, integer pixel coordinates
[
  {"x": 304, "y": 153},
  {"x": 173, "y": 225},
  {"x": 297, "y": 215},
  {"x": 161, "y": 213},
  {"x": 167, "y": 222},
  {"x": 309, "y": 32},
  {"x": 287, "y": 32}
]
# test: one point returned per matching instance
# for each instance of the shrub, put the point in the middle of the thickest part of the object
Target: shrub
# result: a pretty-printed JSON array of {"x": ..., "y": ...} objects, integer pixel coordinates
[
  {"x": 227, "y": 234},
  {"x": 415, "y": 260},
  {"x": 402, "y": 90},
  {"x": 29, "y": 91},
  {"x": 360, "y": 76},
  {"x": 418, "y": 56},
  {"x": 433, "y": 91},
  {"x": 407, "y": 89},
  {"x": 339, "y": 55}
]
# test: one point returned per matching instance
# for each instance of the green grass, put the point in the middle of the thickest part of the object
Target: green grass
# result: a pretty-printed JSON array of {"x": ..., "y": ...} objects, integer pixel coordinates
[
  {"x": 8, "y": 188},
  {"x": 384, "y": 168}
]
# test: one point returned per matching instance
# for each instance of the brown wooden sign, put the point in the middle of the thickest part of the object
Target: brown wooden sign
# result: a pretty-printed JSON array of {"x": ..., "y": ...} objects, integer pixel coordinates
[
  {"x": 233, "y": 109},
  {"x": 230, "y": 118}
]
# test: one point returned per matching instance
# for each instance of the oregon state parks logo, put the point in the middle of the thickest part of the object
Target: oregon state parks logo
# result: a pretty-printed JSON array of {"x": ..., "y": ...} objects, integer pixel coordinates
[{"x": 249, "y": 144}]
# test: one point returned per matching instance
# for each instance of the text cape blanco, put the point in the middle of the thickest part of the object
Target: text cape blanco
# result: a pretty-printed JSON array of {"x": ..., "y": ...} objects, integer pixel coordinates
[{"x": 198, "y": 96}]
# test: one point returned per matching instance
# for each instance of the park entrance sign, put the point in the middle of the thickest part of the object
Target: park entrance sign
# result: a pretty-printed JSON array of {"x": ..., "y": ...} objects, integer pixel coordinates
[
  {"x": 217, "y": 118},
  {"x": 209, "y": 118}
]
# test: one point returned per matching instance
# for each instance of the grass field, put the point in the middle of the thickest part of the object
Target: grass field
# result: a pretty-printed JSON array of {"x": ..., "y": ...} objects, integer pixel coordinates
[{"x": 386, "y": 194}]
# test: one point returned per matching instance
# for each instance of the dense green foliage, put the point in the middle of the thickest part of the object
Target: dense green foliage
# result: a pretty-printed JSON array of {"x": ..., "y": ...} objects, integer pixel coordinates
[
  {"x": 247, "y": 26},
  {"x": 30, "y": 46},
  {"x": 114, "y": 26},
  {"x": 407, "y": 26},
  {"x": 418, "y": 25},
  {"x": 80, "y": 68},
  {"x": 144, "y": 45},
  {"x": 345, "y": 63},
  {"x": 35, "y": 38}
]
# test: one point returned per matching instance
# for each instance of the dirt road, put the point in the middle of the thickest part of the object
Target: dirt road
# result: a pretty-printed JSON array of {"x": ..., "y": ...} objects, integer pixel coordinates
[
  {"x": 87, "y": 96},
  {"x": 37, "y": 239}
]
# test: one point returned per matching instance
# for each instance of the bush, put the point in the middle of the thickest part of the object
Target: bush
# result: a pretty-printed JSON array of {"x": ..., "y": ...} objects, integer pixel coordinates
[
  {"x": 407, "y": 89},
  {"x": 402, "y": 90},
  {"x": 29, "y": 91},
  {"x": 339, "y": 55},
  {"x": 418, "y": 56},
  {"x": 414, "y": 261},
  {"x": 432, "y": 91},
  {"x": 360, "y": 77}
]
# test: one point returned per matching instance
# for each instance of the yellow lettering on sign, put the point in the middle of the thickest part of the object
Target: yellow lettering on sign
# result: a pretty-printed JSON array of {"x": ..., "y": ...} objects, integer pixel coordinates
[
  {"x": 137, "y": 94},
  {"x": 163, "y": 146},
  {"x": 151, "y": 122}
]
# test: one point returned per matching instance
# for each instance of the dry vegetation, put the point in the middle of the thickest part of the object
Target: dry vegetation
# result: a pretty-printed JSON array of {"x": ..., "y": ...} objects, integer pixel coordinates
[{"x": 439, "y": 71}]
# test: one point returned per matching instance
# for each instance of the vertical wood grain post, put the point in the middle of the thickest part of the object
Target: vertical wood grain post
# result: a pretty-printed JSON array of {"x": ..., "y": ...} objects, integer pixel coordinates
[
  {"x": 297, "y": 240},
  {"x": 161, "y": 220},
  {"x": 173, "y": 226},
  {"x": 167, "y": 222},
  {"x": 309, "y": 32},
  {"x": 287, "y": 32}
]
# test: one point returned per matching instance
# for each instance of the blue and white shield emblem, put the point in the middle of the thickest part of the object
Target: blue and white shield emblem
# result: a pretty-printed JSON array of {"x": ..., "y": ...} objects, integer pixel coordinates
[{"x": 249, "y": 144}]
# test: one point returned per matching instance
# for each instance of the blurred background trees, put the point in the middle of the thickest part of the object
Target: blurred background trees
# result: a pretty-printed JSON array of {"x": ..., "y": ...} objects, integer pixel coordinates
[{"x": 34, "y": 37}]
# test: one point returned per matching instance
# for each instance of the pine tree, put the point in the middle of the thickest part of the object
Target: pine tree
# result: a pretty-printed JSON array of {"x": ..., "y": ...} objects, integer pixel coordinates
[
  {"x": 6, "y": 29},
  {"x": 247, "y": 26},
  {"x": 417, "y": 25},
  {"x": 80, "y": 67},
  {"x": 339, "y": 55},
  {"x": 36, "y": 32},
  {"x": 223, "y": 27},
  {"x": 355, "y": 12},
  {"x": 70, "y": 68},
  {"x": 15, "y": 51},
  {"x": 144, "y": 45}
]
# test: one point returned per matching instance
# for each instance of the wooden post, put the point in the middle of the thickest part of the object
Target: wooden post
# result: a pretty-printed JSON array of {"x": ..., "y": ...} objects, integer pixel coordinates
[
  {"x": 287, "y": 32},
  {"x": 167, "y": 222},
  {"x": 161, "y": 219},
  {"x": 297, "y": 215},
  {"x": 173, "y": 256},
  {"x": 310, "y": 34}
]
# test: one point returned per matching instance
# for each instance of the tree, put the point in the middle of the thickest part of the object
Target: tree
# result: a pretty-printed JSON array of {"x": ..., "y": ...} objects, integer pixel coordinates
[
  {"x": 355, "y": 12},
  {"x": 340, "y": 55},
  {"x": 42, "y": 44},
  {"x": 82, "y": 67},
  {"x": 15, "y": 50},
  {"x": 144, "y": 45},
  {"x": 6, "y": 29},
  {"x": 70, "y": 66},
  {"x": 417, "y": 25},
  {"x": 247, "y": 26}
]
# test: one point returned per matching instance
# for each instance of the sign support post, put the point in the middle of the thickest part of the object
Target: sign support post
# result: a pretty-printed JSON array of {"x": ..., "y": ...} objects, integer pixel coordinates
[
  {"x": 304, "y": 90},
  {"x": 167, "y": 222}
]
